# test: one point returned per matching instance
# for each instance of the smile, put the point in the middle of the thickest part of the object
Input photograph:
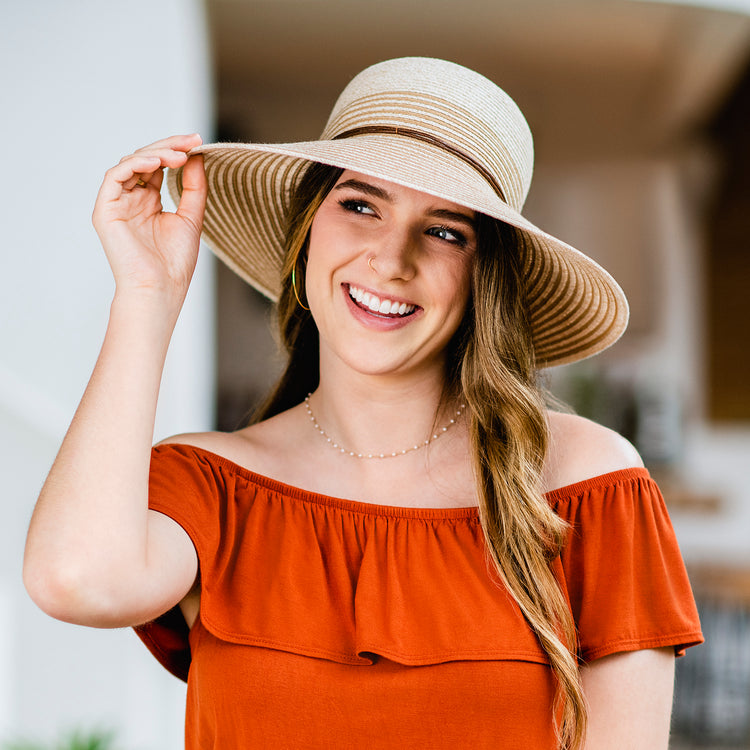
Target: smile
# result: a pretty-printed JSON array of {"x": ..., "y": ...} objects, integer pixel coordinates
[{"x": 381, "y": 306}]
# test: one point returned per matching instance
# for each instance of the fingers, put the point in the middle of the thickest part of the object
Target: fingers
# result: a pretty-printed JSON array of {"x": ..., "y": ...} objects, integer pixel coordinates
[
  {"x": 129, "y": 173},
  {"x": 141, "y": 180},
  {"x": 134, "y": 176},
  {"x": 193, "y": 198},
  {"x": 172, "y": 150},
  {"x": 156, "y": 179},
  {"x": 143, "y": 168},
  {"x": 125, "y": 175},
  {"x": 174, "y": 142}
]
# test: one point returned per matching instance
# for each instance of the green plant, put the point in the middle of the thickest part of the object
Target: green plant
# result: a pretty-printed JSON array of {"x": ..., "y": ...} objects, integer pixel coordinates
[{"x": 96, "y": 740}]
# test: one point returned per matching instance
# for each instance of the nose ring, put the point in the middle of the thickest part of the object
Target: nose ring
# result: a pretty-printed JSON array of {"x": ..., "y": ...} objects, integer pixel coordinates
[{"x": 369, "y": 262}]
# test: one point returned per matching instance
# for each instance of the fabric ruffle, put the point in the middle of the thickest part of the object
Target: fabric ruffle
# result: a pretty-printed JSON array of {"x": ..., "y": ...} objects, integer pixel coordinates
[{"x": 286, "y": 569}]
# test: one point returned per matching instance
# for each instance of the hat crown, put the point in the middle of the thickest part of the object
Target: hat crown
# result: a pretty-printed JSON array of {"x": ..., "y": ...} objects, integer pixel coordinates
[{"x": 448, "y": 102}]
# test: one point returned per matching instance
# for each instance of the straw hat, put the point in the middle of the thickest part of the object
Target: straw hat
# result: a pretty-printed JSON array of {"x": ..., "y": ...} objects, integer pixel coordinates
[{"x": 436, "y": 127}]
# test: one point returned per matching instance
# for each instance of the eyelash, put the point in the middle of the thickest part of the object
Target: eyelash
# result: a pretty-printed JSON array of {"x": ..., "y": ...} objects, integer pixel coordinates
[
  {"x": 459, "y": 240},
  {"x": 355, "y": 206}
]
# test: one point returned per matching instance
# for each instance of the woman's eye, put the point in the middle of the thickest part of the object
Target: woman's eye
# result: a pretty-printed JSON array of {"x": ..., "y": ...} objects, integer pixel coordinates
[
  {"x": 357, "y": 206},
  {"x": 448, "y": 234}
]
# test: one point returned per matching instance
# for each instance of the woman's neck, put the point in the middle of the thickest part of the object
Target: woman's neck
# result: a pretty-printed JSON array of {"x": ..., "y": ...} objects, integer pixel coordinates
[{"x": 380, "y": 414}]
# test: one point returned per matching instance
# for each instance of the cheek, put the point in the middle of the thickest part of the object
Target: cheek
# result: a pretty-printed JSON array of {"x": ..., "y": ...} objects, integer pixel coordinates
[
  {"x": 319, "y": 253},
  {"x": 458, "y": 287},
  {"x": 326, "y": 253},
  {"x": 465, "y": 293},
  {"x": 328, "y": 246}
]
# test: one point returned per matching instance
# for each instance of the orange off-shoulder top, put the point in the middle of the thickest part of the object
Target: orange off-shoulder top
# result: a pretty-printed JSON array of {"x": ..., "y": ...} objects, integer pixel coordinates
[{"x": 331, "y": 623}]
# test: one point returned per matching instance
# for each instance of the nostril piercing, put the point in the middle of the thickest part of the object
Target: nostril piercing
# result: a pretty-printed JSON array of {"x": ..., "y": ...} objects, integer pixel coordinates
[{"x": 369, "y": 262}]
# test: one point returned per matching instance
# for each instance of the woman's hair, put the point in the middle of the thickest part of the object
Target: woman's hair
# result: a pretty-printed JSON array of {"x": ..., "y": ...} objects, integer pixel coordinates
[
  {"x": 491, "y": 366},
  {"x": 299, "y": 335}
]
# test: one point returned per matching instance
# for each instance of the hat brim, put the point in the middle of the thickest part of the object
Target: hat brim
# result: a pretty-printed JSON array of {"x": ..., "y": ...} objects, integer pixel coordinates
[{"x": 576, "y": 309}]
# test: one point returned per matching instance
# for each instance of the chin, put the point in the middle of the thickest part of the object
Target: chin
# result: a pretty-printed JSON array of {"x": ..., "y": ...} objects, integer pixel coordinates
[{"x": 367, "y": 361}]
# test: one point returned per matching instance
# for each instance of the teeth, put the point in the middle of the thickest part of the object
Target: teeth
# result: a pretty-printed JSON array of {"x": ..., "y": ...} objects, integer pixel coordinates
[{"x": 384, "y": 307}]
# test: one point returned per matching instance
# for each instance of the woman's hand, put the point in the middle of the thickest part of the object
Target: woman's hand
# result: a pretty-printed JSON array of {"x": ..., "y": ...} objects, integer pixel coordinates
[{"x": 148, "y": 248}]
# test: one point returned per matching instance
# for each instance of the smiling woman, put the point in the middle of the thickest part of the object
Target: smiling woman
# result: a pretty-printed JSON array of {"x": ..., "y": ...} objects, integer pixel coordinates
[{"x": 405, "y": 548}]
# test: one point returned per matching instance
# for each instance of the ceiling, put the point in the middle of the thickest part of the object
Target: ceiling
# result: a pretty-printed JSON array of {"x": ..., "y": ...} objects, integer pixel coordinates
[{"x": 595, "y": 78}]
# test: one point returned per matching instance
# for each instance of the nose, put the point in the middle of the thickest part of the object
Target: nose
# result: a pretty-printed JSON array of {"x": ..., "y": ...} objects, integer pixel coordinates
[{"x": 393, "y": 259}]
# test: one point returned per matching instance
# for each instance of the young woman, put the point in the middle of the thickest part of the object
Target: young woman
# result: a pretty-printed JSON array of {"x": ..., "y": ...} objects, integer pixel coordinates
[{"x": 406, "y": 548}]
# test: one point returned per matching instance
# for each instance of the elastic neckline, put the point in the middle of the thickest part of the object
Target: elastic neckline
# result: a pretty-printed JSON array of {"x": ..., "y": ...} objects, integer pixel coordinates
[{"x": 376, "y": 509}]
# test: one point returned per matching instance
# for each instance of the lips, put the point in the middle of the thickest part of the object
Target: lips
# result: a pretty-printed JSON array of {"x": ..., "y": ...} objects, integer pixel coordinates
[{"x": 380, "y": 305}]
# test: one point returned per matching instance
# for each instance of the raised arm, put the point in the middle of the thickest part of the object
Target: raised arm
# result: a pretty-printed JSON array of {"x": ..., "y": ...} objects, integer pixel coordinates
[{"x": 95, "y": 555}]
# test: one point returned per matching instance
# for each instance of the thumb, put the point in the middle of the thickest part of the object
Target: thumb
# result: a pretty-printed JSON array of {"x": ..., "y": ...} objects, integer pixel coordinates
[{"x": 194, "y": 188}]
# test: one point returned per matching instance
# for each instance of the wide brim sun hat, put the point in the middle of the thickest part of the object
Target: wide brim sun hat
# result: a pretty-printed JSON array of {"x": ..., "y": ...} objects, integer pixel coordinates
[{"x": 436, "y": 127}]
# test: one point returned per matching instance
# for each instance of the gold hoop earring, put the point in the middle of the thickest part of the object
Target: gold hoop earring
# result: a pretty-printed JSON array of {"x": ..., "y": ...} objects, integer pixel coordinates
[{"x": 294, "y": 288}]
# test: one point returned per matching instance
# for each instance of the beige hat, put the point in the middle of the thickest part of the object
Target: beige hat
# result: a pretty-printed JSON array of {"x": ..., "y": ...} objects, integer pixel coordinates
[{"x": 441, "y": 129}]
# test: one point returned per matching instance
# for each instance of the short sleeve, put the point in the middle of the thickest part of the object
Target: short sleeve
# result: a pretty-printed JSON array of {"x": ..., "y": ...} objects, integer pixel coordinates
[
  {"x": 186, "y": 489},
  {"x": 622, "y": 568}
]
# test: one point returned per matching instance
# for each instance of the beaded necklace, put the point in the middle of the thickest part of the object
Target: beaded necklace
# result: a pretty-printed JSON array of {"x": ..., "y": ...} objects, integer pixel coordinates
[{"x": 340, "y": 448}]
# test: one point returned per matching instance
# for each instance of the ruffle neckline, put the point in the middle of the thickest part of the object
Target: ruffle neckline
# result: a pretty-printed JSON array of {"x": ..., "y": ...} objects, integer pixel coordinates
[{"x": 291, "y": 491}]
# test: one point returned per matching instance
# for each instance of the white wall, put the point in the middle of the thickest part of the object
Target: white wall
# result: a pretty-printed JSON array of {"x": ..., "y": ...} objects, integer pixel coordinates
[{"x": 83, "y": 82}]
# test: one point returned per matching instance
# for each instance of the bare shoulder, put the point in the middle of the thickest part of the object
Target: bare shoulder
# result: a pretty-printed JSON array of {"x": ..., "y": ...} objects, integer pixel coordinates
[
  {"x": 221, "y": 443},
  {"x": 260, "y": 447},
  {"x": 580, "y": 449}
]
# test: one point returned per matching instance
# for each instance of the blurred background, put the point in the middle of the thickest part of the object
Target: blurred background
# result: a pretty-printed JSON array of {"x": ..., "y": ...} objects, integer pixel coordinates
[{"x": 640, "y": 112}]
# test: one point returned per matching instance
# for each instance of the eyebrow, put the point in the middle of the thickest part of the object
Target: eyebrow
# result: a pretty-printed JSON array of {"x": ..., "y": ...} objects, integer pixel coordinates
[
  {"x": 377, "y": 192},
  {"x": 444, "y": 213},
  {"x": 367, "y": 188}
]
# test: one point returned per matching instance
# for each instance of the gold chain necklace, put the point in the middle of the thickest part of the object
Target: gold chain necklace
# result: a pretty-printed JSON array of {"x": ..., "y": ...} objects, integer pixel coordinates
[{"x": 340, "y": 448}]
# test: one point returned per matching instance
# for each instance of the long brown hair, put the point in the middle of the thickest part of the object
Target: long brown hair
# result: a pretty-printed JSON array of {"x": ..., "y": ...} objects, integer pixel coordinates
[{"x": 491, "y": 365}]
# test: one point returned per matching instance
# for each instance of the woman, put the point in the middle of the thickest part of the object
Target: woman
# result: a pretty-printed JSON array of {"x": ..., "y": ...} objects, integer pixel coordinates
[{"x": 498, "y": 574}]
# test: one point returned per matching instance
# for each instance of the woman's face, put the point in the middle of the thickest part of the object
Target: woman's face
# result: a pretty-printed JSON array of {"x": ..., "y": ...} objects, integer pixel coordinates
[{"x": 388, "y": 275}]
